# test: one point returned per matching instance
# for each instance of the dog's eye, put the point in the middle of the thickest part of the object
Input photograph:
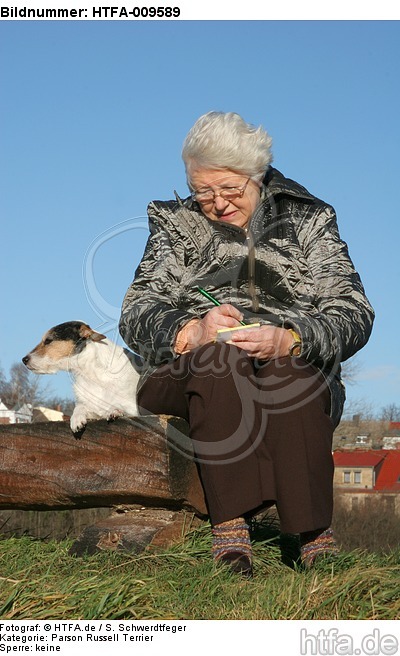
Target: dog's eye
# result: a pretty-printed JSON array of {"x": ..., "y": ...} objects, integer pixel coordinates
[{"x": 47, "y": 341}]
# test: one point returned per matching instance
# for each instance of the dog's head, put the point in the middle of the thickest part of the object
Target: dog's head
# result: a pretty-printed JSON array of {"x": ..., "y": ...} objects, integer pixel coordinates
[{"x": 58, "y": 345}]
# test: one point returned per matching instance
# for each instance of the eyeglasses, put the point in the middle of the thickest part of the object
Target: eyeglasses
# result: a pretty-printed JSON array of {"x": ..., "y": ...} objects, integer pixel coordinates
[{"x": 205, "y": 196}]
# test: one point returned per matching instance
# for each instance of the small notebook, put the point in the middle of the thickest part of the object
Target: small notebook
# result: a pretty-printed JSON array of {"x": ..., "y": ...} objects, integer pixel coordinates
[{"x": 224, "y": 334}]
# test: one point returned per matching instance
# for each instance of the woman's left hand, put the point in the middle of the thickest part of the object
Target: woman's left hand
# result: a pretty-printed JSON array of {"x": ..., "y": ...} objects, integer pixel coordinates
[{"x": 265, "y": 343}]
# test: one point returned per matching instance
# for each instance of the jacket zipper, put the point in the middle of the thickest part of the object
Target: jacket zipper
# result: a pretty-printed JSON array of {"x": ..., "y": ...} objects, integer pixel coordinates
[{"x": 251, "y": 257}]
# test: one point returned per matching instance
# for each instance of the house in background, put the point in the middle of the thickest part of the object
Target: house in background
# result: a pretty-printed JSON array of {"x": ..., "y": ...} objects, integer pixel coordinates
[
  {"x": 391, "y": 442},
  {"x": 40, "y": 413},
  {"x": 25, "y": 414},
  {"x": 358, "y": 469},
  {"x": 392, "y": 439},
  {"x": 17, "y": 415},
  {"x": 364, "y": 475}
]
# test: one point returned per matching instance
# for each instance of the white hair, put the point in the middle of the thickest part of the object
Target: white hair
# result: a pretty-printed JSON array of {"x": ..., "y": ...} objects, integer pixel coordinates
[{"x": 221, "y": 140}]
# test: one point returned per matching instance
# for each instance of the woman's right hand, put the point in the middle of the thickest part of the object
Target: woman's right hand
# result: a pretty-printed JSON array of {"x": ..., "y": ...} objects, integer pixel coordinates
[{"x": 200, "y": 331}]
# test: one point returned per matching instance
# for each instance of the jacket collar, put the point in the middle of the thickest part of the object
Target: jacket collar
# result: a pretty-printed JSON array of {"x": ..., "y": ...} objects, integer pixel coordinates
[{"x": 275, "y": 183}]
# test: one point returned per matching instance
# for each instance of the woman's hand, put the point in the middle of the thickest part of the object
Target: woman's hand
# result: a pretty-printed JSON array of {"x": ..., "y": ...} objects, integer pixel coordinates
[
  {"x": 200, "y": 331},
  {"x": 265, "y": 343}
]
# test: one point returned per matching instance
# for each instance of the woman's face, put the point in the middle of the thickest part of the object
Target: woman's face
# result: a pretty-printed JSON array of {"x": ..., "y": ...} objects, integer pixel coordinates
[{"x": 210, "y": 182}]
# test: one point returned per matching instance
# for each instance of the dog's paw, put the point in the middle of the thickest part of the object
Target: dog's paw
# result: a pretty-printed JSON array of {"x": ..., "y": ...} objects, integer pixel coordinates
[
  {"x": 78, "y": 422},
  {"x": 79, "y": 432},
  {"x": 114, "y": 414}
]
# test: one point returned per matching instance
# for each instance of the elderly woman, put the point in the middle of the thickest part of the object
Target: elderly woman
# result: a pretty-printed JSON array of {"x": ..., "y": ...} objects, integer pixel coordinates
[{"x": 248, "y": 246}]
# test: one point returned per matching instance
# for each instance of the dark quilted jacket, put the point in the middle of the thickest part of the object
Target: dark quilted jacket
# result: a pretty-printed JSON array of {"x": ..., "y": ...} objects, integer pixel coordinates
[{"x": 290, "y": 268}]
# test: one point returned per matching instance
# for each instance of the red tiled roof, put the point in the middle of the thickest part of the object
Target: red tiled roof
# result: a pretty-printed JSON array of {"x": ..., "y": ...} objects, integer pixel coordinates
[
  {"x": 388, "y": 474},
  {"x": 357, "y": 458}
]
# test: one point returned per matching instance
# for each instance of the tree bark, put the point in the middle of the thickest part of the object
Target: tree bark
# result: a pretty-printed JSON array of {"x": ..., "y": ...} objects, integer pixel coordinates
[{"x": 145, "y": 460}]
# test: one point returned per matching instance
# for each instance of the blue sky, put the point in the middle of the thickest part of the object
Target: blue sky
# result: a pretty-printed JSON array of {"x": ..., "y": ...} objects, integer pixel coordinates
[{"x": 93, "y": 115}]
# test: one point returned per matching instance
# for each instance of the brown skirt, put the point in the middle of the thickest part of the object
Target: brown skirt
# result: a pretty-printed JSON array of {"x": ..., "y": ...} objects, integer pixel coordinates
[{"x": 261, "y": 432}]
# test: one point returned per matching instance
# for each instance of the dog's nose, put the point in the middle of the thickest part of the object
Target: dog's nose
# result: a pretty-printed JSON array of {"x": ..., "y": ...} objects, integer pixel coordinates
[{"x": 25, "y": 359}]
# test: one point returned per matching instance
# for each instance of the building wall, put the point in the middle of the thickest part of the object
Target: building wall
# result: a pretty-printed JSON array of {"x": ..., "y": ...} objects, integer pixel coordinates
[
  {"x": 22, "y": 415},
  {"x": 362, "y": 477},
  {"x": 353, "y": 500},
  {"x": 391, "y": 442}
]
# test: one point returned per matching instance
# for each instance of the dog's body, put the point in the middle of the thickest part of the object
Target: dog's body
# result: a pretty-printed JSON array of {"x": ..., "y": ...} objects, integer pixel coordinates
[{"x": 105, "y": 374}]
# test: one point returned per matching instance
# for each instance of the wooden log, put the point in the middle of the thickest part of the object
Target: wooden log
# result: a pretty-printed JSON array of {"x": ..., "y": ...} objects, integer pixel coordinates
[
  {"x": 130, "y": 461},
  {"x": 135, "y": 530},
  {"x": 49, "y": 524}
]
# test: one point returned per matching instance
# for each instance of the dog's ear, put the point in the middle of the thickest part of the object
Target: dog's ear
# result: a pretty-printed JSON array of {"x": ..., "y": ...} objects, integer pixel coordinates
[
  {"x": 86, "y": 332},
  {"x": 97, "y": 337}
]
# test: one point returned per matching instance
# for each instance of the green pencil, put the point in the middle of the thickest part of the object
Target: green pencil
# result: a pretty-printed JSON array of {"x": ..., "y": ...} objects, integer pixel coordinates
[{"x": 213, "y": 300}]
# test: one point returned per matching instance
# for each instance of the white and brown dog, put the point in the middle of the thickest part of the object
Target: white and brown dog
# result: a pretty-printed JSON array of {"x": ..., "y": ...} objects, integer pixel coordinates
[{"x": 105, "y": 375}]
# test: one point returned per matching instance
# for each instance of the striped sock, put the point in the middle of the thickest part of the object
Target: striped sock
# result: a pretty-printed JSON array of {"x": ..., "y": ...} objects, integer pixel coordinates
[
  {"x": 315, "y": 544},
  {"x": 231, "y": 537}
]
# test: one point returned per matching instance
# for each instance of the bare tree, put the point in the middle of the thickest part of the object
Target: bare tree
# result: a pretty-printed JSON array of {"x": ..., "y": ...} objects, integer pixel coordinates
[
  {"x": 390, "y": 412},
  {"x": 65, "y": 404},
  {"x": 21, "y": 387},
  {"x": 2, "y": 380},
  {"x": 359, "y": 407},
  {"x": 350, "y": 370}
]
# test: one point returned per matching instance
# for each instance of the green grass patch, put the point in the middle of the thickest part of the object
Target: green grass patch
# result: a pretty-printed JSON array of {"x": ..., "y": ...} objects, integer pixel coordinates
[{"x": 40, "y": 580}]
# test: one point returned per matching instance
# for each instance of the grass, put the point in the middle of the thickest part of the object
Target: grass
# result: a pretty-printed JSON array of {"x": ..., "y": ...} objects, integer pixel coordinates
[{"x": 40, "y": 580}]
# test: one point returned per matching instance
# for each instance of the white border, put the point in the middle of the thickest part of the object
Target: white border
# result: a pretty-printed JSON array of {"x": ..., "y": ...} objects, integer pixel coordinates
[{"x": 214, "y": 10}]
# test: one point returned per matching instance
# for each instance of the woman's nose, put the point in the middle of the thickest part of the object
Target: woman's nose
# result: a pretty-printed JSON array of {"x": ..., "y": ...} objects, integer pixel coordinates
[{"x": 220, "y": 203}]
